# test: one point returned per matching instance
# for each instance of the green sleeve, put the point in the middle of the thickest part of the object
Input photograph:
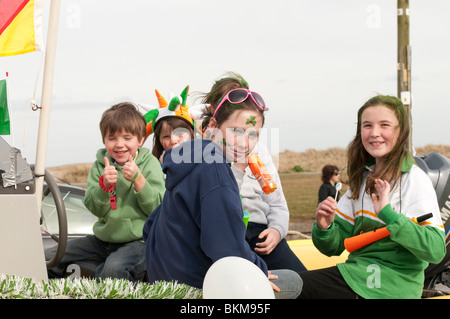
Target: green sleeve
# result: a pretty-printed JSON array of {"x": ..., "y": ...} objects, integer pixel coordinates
[
  {"x": 425, "y": 242},
  {"x": 96, "y": 199},
  {"x": 330, "y": 241}
]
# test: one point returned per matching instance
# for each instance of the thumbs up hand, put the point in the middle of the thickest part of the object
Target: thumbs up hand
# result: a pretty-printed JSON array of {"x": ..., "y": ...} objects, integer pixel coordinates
[
  {"x": 109, "y": 174},
  {"x": 132, "y": 173},
  {"x": 130, "y": 170}
]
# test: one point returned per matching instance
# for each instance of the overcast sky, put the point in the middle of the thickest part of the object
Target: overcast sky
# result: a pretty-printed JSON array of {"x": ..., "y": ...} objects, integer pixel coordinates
[{"x": 315, "y": 62}]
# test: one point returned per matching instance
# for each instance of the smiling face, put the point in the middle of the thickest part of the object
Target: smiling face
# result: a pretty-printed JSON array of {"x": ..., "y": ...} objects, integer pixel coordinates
[
  {"x": 121, "y": 145},
  {"x": 238, "y": 134},
  {"x": 169, "y": 138},
  {"x": 379, "y": 131}
]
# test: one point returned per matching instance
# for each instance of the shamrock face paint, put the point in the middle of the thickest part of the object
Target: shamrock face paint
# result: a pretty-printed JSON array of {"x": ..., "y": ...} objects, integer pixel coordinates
[
  {"x": 239, "y": 134},
  {"x": 251, "y": 120}
]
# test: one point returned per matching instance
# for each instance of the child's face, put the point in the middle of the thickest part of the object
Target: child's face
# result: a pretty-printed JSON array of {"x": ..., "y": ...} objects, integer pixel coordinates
[
  {"x": 239, "y": 134},
  {"x": 121, "y": 145},
  {"x": 170, "y": 138},
  {"x": 379, "y": 130}
]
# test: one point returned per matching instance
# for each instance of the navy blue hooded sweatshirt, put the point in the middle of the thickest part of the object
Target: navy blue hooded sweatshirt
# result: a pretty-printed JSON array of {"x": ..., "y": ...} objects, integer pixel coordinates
[{"x": 200, "y": 218}]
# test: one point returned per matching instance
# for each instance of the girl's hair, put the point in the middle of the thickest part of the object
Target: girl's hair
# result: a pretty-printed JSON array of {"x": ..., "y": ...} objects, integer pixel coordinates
[
  {"x": 123, "y": 116},
  {"x": 218, "y": 91},
  {"x": 174, "y": 123},
  {"x": 328, "y": 172},
  {"x": 358, "y": 157}
]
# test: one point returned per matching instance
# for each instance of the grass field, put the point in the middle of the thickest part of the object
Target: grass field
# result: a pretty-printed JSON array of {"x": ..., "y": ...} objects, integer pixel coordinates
[{"x": 301, "y": 192}]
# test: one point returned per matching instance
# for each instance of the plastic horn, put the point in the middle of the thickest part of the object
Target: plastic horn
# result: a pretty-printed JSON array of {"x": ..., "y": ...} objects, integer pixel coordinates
[
  {"x": 262, "y": 175},
  {"x": 359, "y": 241}
]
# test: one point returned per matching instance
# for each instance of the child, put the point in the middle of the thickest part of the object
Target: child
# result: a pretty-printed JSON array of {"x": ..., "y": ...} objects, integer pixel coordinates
[
  {"x": 268, "y": 214},
  {"x": 124, "y": 186},
  {"x": 170, "y": 133},
  {"x": 171, "y": 123},
  {"x": 378, "y": 161},
  {"x": 200, "y": 219}
]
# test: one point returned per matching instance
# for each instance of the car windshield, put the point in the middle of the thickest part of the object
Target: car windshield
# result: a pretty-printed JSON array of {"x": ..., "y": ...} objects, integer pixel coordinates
[{"x": 79, "y": 219}]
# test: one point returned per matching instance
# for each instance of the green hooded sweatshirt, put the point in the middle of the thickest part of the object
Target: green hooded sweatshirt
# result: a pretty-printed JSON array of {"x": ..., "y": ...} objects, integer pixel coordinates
[{"x": 125, "y": 223}]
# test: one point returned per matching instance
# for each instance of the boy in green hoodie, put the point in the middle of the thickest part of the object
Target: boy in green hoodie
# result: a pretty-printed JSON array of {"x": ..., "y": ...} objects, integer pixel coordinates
[{"x": 124, "y": 186}]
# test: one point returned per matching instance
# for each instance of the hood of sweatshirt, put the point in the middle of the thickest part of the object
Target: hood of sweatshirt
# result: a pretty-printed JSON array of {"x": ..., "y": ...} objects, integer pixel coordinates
[{"x": 180, "y": 160}]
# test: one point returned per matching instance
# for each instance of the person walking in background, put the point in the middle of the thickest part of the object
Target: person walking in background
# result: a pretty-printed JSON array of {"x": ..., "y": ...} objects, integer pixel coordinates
[{"x": 330, "y": 177}]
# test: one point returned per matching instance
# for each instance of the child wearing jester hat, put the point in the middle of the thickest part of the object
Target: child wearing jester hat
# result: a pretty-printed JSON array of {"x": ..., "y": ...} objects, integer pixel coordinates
[
  {"x": 172, "y": 123},
  {"x": 124, "y": 186}
]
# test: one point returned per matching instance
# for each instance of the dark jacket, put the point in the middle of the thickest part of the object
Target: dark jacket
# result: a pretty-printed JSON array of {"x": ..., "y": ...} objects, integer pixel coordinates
[
  {"x": 325, "y": 190},
  {"x": 200, "y": 218}
]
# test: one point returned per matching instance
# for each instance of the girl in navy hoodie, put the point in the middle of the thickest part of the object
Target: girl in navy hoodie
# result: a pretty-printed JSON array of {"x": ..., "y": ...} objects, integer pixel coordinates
[{"x": 200, "y": 219}]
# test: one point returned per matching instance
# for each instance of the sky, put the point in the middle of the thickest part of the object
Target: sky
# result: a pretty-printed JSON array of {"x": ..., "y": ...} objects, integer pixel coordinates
[{"x": 315, "y": 62}]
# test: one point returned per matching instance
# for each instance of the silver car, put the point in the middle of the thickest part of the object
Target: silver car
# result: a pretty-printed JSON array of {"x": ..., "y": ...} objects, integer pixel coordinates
[{"x": 79, "y": 219}]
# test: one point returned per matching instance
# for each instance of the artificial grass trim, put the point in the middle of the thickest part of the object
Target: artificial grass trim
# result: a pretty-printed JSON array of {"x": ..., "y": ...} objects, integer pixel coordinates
[{"x": 16, "y": 287}]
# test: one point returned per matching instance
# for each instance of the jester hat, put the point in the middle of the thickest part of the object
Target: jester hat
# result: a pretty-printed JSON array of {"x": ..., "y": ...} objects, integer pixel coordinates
[{"x": 175, "y": 108}]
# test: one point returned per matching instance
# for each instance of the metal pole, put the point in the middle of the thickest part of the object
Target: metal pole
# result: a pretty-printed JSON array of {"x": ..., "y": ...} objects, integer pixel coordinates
[
  {"x": 404, "y": 59},
  {"x": 44, "y": 118}
]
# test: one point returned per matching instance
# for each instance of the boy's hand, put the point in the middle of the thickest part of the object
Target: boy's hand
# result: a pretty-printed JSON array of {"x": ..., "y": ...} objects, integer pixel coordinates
[
  {"x": 132, "y": 173},
  {"x": 130, "y": 170},
  {"x": 383, "y": 188},
  {"x": 109, "y": 174}
]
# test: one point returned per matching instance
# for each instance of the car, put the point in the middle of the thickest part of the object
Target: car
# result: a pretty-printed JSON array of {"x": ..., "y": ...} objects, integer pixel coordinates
[{"x": 79, "y": 219}]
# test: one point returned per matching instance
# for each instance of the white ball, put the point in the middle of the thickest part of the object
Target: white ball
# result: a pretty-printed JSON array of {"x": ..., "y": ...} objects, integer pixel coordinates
[{"x": 236, "y": 278}]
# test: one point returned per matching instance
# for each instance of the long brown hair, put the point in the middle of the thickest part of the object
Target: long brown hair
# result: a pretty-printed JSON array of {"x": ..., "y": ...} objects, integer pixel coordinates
[
  {"x": 219, "y": 90},
  {"x": 358, "y": 157}
]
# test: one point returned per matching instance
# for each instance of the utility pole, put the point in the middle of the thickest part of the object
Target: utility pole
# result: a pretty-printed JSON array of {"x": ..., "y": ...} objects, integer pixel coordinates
[{"x": 404, "y": 60}]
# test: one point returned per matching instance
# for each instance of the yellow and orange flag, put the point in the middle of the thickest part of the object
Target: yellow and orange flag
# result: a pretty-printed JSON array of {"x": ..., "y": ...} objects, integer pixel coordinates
[{"x": 20, "y": 26}]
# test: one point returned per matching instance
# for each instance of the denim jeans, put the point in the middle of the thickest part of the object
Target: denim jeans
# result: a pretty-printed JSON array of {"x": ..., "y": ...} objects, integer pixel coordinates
[
  {"x": 125, "y": 260},
  {"x": 289, "y": 282}
]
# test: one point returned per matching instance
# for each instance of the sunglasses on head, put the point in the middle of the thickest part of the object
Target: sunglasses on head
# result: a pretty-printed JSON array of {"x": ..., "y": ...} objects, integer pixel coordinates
[{"x": 237, "y": 96}]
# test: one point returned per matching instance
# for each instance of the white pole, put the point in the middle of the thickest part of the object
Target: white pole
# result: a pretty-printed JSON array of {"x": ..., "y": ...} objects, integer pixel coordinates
[{"x": 47, "y": 85}]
